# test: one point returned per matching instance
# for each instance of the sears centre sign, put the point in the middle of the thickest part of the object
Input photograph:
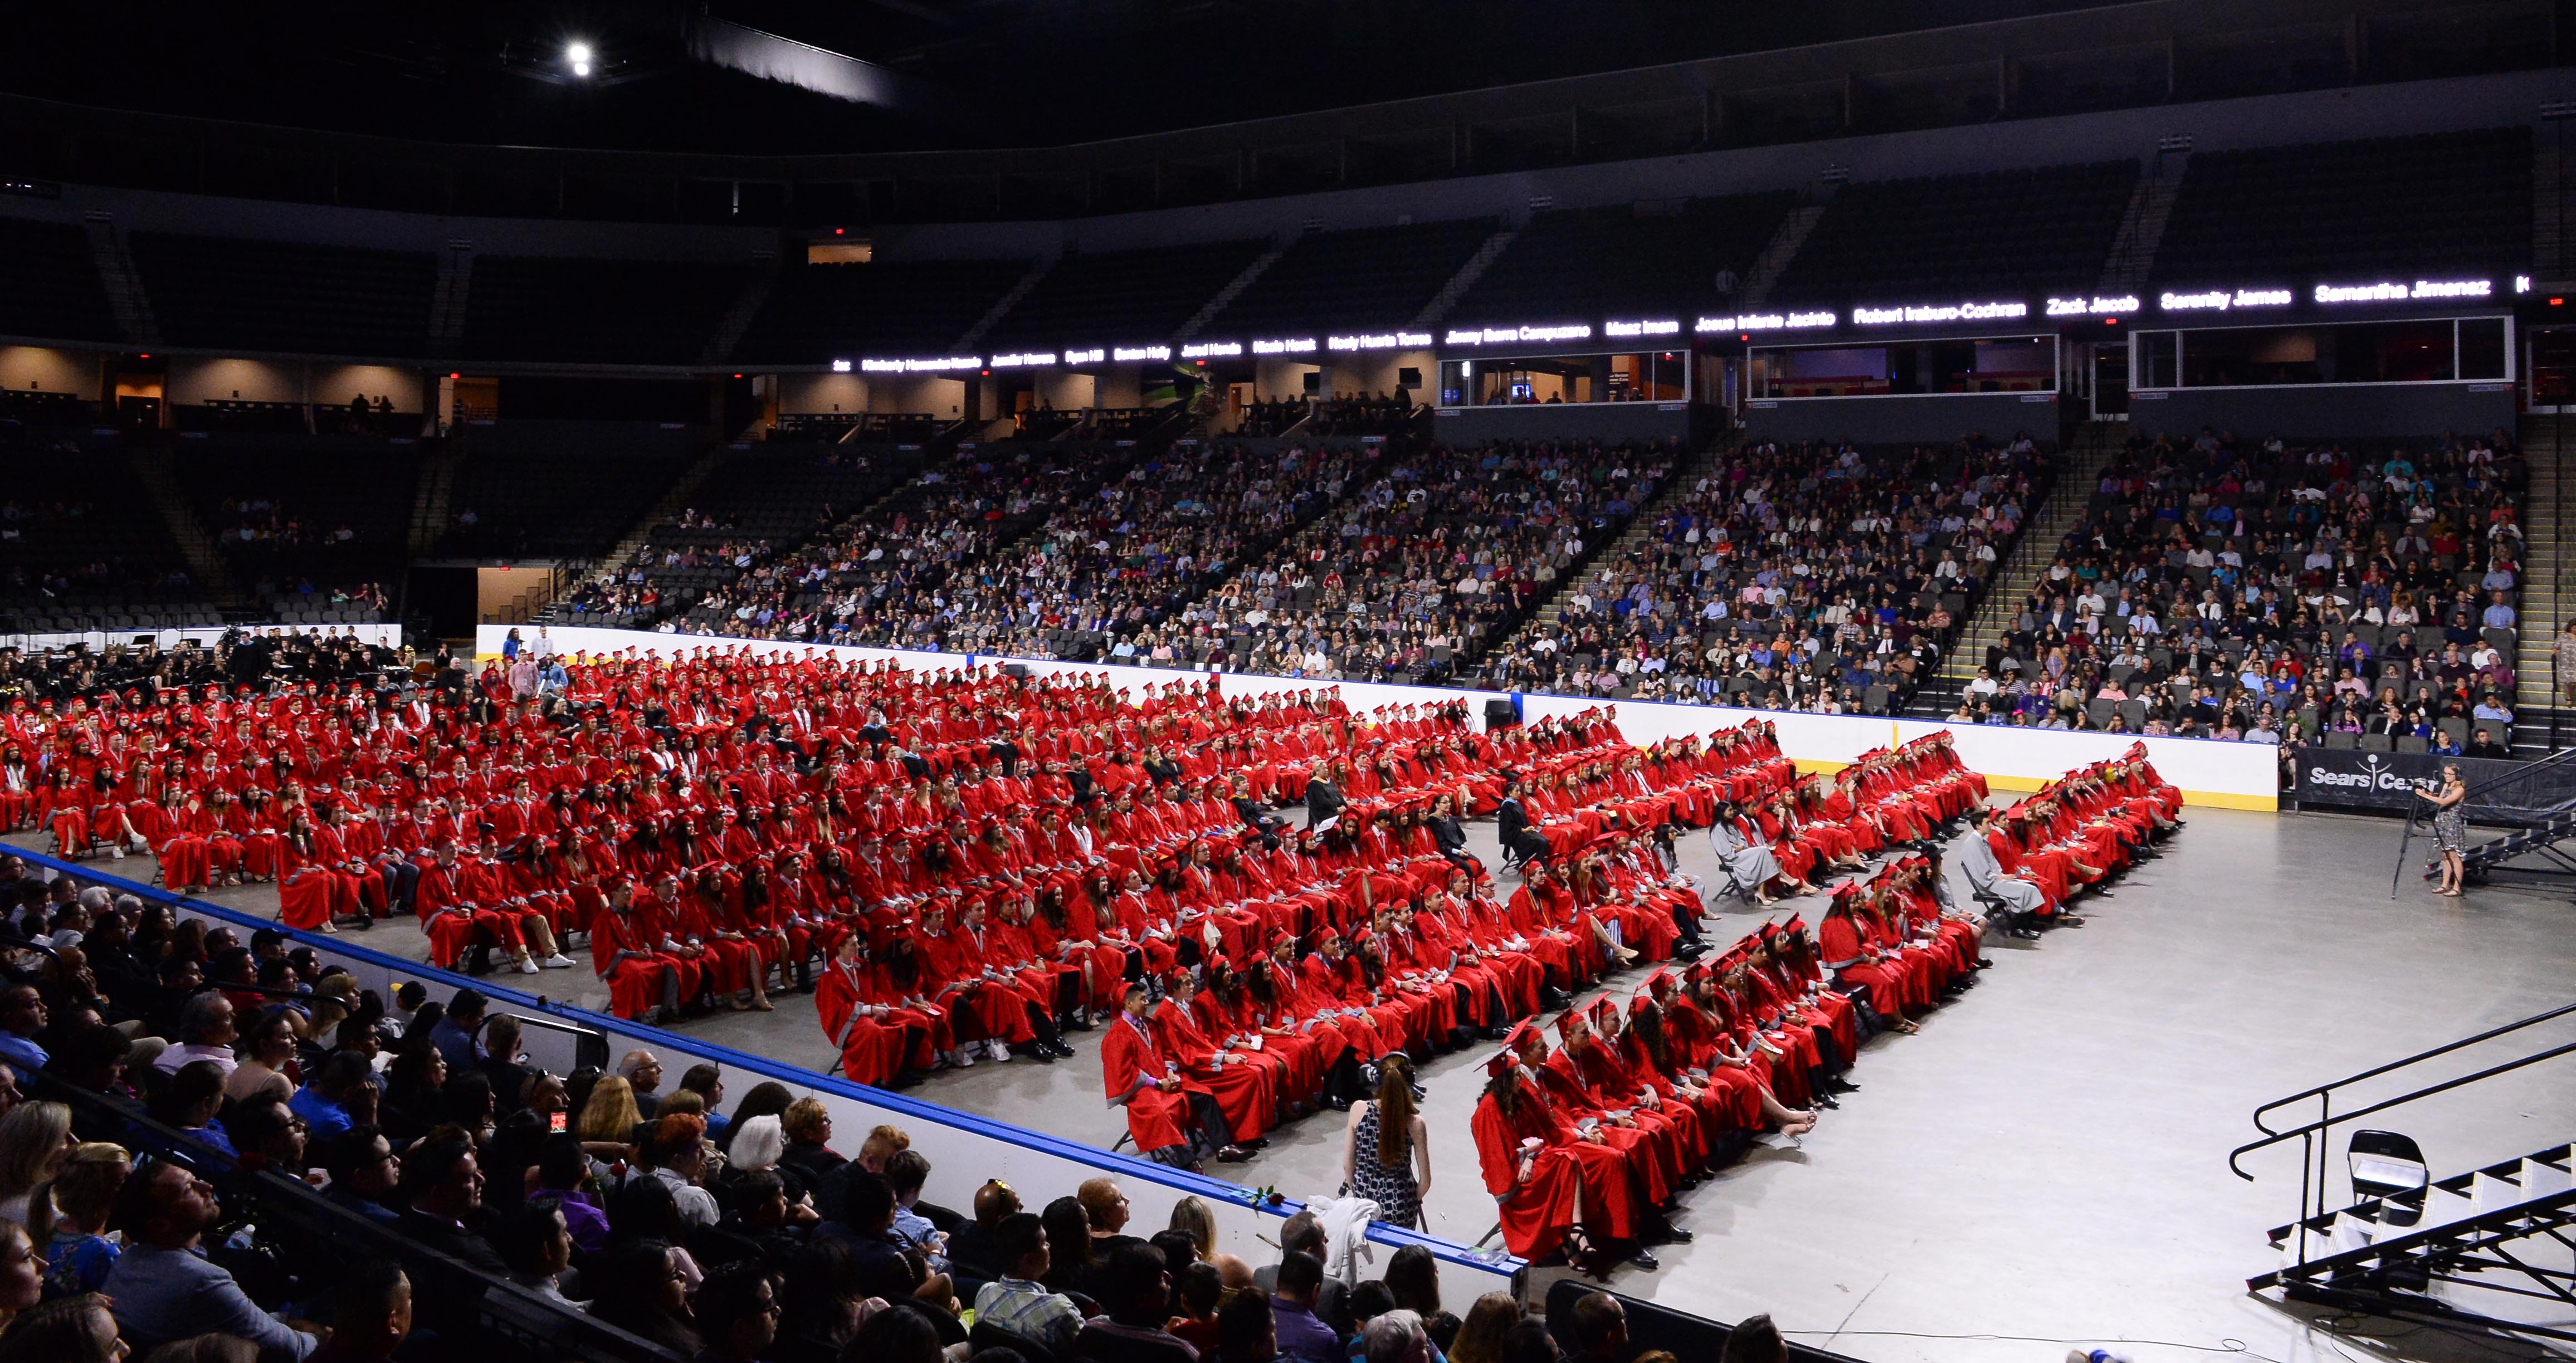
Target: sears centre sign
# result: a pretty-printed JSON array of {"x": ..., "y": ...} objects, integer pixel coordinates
[{"x": 2381, "y": 780}]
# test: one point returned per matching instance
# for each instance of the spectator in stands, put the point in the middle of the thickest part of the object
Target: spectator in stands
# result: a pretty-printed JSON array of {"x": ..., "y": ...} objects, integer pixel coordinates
[
  {"x": 809, "y": 1155},
  {"x": 707, "y": 1082},
  {"x": 364, "y": 1171},
  {"x": 371, "y": 1315},
  {"x": 442, "y": 1188},
  {"x": 1755, "y": 1340},
  {"x": 1070, "y": 1264},
  {"x": 768, "y": 1098},
  {"x": 1300, "y": 1279},
  {"x": 537, "y": 1245},
  {"x": 1480, "y": 1337},
  {"x": 677, "y": 1155},
  {"x": 1395, "y": 1336},
  {"x": 644, "y": 1290},
  {"x": 1017, "y": 1303},
  {"x": 35, "y": 1139},
  {"x": 22, "y": 1271},
  {"x": 642, "y": 1070},
  {"x": 456, "y": 1037},
  {"x": 1105, "y": 1208},
  {"x": 22, "y": 1020},
  {"x": 1136, "y": 1292},
  {"x": 267, "y": 1053},
  {"x": 324, "y": 1102},
  {"x": 977, "y": 1250},
  {"x": 1600, "y": 1328},
  {"x": 1413, "y": 1277},
  {"x": 503, "y": 1064},
  {"x": 563, "y": 1177},
  {"x": 736, "y": 1312},
  {"x": 1246, "y": 1330},
  {"x": 897, "y": 1336},
  {"x": 205, "y": 1033},
  {"x": 610, "y": 1117},
  {"x": 67, "y": 1218},
  {"x": 1195, "y": 1217},
  {"x": 1304, "y": 1233},
  {"x": 164, "y": 1290},
  {"x": 189, "y": 1100},
  {"x": 864, "y": 1221},
  {"x": 906, "y": 1171},
  {"x": 72, "y": 1330}
]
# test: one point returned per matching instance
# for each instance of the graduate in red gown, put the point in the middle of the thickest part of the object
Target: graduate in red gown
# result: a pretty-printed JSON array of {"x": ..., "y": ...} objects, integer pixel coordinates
[{"x": 1172, "y": 1120}]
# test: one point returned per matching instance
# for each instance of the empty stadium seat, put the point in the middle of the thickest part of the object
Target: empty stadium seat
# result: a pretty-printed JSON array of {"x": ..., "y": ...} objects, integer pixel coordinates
[
  {"x": 1891, "y": 241},
  {"x": 1624, "y": 261},
  {"x": 49, "y": 288},
  {"x": 603, "y": 311},
  {"x": 1361, "y": 277},
  {"x": 287, "y": 296},
  {"x": 2457, "y": 202},
  {"x": 816, "y": 313},
  {"x": 1115, "y": 296}
]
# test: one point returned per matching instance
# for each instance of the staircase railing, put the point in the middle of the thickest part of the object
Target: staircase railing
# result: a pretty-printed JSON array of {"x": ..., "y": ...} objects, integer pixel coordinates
[{"x": 2315, "y": 1150}]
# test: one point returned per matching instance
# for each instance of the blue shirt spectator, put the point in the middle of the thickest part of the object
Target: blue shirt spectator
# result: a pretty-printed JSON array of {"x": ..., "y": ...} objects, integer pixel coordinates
[
  {"x": 323, "y": 1119},
  {"x": 163, "y": 1289}
]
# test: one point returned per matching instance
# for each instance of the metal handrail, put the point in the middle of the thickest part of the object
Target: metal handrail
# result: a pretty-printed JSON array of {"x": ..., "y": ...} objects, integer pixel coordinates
[
  {"x": 2378, "y": 1070},
  {"x": 2314, "y": 1151}
]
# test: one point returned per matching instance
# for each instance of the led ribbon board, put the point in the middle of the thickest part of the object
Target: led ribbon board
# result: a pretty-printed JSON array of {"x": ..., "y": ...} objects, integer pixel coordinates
[
  {"x": 1379, "y": 340},
  {"x": 2093, "y": 307},
  {"x": 1518, "y": 335},
  {"x": 2398, "y": 293},
  {"x": 1939, "y": 312},
  {"x": 1766, "y": 321},
  {"x": 943, "y": 365}
]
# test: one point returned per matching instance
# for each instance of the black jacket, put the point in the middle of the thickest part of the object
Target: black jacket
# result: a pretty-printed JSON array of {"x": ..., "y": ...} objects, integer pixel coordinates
[{"x": 1323, "y": 801}]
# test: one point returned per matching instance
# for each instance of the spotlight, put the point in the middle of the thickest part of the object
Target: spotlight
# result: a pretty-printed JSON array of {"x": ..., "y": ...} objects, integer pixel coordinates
[{"x": 577, "y": 55}]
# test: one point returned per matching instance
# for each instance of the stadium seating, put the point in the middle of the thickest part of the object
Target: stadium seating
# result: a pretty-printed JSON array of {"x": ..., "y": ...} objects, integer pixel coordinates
[
  {"x": 2276, "y": 592},
  {"x": 69, "y": 560},
  {"x": 49, "y": 287},
  {"x": 284, "y": 297},
  {"x": 2438, "y": 206},
  {"x": 1361, "y": 277},
  {"x": 547, "y": 489},
  {"x": 816, "y": 313},
  {"x": 1624, "y": 261},
  {"x": 2006, "y": 232},
  {"x": 320, "y": 514},
  {"x": 759, "y": 503},
  {"x": 1893, "y": 548},
  {"x": 1421, "y": 570},
  {"x": 1115, "y": 296},
  {"x": 602, "y": 311}
]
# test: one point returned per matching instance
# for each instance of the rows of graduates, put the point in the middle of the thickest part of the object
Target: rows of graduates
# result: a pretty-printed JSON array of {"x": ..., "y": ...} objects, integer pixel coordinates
[{"x": 1584, "y": 1144}]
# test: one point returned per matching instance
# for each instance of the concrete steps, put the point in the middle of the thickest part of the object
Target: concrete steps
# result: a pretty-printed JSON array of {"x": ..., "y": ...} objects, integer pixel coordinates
[
  {"x": 1640, "y": 528},
  {"x": 161, "y": 488},
  {"x": 2020, "y": 572},
  {"x": 2546, "y": 592}
]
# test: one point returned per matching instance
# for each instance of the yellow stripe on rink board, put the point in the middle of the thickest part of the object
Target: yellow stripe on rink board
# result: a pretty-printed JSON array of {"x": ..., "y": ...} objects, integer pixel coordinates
[{"x": 2207, "y": 799}]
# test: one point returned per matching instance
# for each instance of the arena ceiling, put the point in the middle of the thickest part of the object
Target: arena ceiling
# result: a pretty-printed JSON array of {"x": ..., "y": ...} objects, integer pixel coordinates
[{"x": 791, "y": 76}]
